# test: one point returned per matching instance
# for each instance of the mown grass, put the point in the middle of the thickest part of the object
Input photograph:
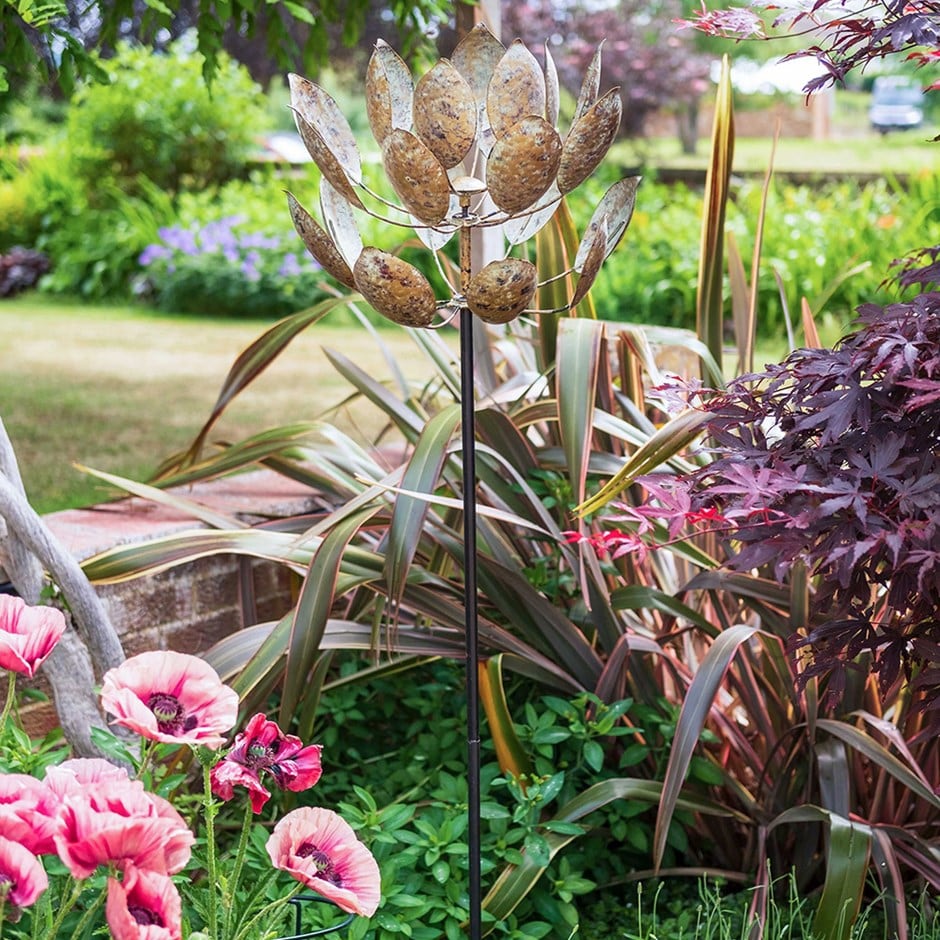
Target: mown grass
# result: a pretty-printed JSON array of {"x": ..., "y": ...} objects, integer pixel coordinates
[
  {"x": 120, "y": 388},
  {"x": 896, "y": 153}
]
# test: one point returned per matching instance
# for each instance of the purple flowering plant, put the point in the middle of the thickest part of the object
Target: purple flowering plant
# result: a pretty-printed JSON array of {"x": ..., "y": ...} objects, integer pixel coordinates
[{"x": 227, "y": 267}]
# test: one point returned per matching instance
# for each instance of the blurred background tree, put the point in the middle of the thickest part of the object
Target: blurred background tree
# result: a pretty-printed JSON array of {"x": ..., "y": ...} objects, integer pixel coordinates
[
  {"x": 655, "y": 64},
  {"x": 61, "y": 39}
]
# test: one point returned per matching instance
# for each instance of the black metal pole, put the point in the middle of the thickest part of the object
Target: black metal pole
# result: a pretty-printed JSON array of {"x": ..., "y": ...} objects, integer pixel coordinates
[{"x": 468, "y": 443}]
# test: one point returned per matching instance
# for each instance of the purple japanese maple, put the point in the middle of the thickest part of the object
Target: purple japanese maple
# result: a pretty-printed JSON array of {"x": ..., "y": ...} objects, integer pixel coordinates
[{"x": 832, "y": 459}]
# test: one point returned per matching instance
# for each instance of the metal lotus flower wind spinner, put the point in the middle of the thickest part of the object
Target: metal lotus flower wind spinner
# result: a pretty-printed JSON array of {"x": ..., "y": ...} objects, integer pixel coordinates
[{"x": 471, "y": 145}]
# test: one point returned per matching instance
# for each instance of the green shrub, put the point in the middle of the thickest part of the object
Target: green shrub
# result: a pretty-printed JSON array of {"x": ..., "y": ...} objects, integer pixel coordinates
[
  {"x": 157, "y": 119},
  {"x": 36, "y": 197},
  {"x": 94, "y": 249}
]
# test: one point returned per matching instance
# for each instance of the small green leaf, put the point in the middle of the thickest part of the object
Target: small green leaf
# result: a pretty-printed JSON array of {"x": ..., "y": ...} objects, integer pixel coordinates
[{"x": 593, "y": 755}]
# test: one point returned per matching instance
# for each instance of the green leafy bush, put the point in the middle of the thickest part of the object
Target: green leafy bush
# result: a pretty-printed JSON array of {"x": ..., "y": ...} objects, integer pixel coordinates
[
  {"x": 812, "y": 238},
  {"x": 157, "y": 119}
]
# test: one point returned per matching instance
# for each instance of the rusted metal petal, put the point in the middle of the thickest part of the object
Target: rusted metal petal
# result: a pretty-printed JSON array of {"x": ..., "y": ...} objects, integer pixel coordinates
[
  {"x": 396, "y": 289},
  {"x": 593, "y": 257},
  {"x": 523, "y": 164},
  {"x": 445, "y": 113},
  {"x": 552, "y": 92},
  {"x": 516, "y": 90},
  {"x": 522, "y": 227},
  {"x": 417, "y": 176},
  {"x": 616, "y": 207},
  {"x": 319, "y": 244},
  {"x": 389, "y": 91},
  {"x": 340, "y": 222},
  {"x": 475, "y": 57},
  {"x": 502, "y": 290},
  {"x": 325, "y": 160},
  {"x": 590, "y": 86},
  {"x": 588, "y": 140},
  {"x": 321, "y": 112}
]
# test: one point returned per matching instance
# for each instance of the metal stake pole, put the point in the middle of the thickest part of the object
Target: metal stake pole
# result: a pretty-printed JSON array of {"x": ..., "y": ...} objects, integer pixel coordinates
[{"x": 468, "y": 452}]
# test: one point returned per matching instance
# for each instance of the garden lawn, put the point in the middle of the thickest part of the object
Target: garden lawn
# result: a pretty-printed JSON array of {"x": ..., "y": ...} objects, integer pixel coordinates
[
  {"x": 120, "y": 388},
  {"x": 908, "y": 152}
]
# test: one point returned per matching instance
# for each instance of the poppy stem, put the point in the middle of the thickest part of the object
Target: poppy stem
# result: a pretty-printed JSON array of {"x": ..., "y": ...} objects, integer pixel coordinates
[
  {"x": 240, "y": 854},
  {"x": 90, "y": 913},
  {"x": 11, "y": 699},
  {"x": 211, "y": 864}
]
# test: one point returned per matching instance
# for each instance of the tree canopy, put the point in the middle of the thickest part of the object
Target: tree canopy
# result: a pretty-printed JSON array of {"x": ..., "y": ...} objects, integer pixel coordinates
[{"x": 60, "y": 40}]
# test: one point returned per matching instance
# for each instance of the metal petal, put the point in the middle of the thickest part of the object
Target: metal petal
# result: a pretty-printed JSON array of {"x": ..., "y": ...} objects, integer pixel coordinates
[
  {"x": 502, "y": 290},
  {"x": 590, "y": 86},
  {"x": 417, "y": 176},
  {"x": 475, "y": 57},
  {"x": 593, "y": 259},
  {"x": 325, "y": 159},
  {"x": 616, "y": 207},
  {"x": 516, "y": 90},
  {"x": 445, "y": 113},
  {"x": 321, "y": 112},
  {"x": 589, "y": 140},
  {"x": 396, "y": 289},
  {"x": 523, "y": 164},
  {"x": 552, "y": 92},
  {"x": 523, "y": 227},
  {"x": 389, "y": 91},
  {"x": 340, "y": 222},
  {"x": 319, "y": 244}
]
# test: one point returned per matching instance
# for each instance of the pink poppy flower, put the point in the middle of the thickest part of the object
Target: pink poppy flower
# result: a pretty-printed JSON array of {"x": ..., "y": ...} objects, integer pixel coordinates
[
  {"x": 21, "y": 874},
  {"x": 121, "y": 823},
  {"x": 145, "y": 906},
  {"x": 27, "y": 813},
  {"x": 320, "y": 849},
  {"x": 172, "y": 697},
  {"x": 27, "y": 634},
  {"x": 263, "y": 748},
  {"x": 80, "y": 774}
]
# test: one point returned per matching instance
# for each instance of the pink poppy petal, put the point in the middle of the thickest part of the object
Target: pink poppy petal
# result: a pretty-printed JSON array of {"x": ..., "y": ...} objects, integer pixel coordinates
[
  {"x": 320, "y": 849},
  {"x": 22, "y": 872},
  {"x": 172, "y": 697},
  {"x": 143, "y": 906},
  {"x": 27, "y": 634},
  {"x": 226, "y": 775}
]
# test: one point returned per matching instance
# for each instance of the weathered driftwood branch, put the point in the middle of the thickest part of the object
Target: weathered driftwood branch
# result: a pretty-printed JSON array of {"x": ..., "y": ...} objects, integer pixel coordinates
[{"x": 29, "y": 547}]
